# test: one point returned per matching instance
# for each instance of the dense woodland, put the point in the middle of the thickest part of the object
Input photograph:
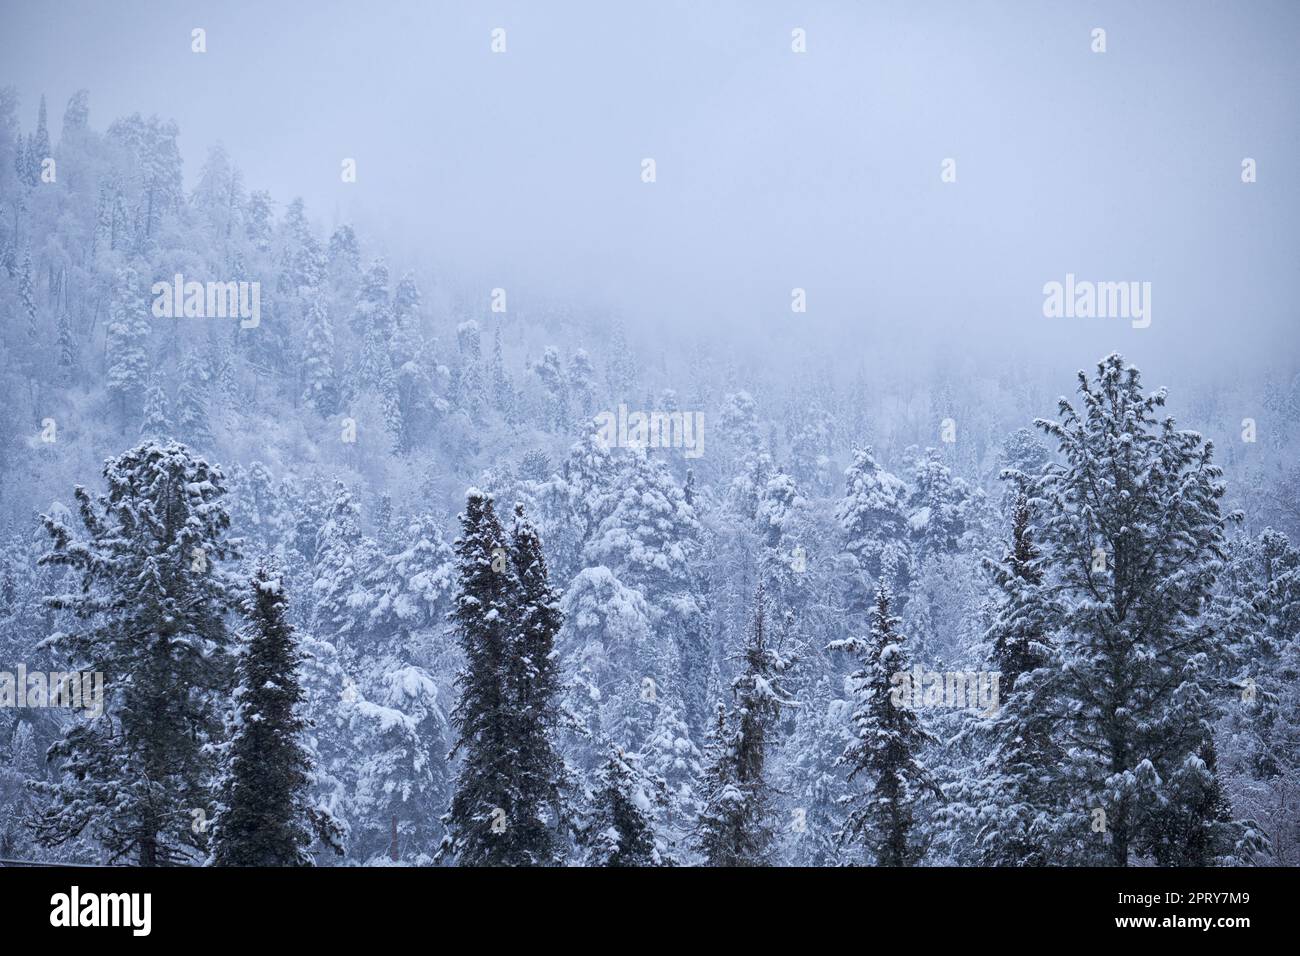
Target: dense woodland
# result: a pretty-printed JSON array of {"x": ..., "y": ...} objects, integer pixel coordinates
[{"x": 368, "y": 588}]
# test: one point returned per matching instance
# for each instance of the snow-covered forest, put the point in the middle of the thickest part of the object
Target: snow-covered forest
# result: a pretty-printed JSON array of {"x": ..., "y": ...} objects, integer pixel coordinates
[{"x": 382, "y": 565}]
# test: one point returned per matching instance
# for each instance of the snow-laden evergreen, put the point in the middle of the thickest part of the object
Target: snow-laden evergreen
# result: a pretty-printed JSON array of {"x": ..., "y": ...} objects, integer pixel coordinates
[
  {"x": 264, "y": 814},
  {"x": 1133, "y": 539},
  {"x": 148, "y": 597},
  {"x": 737, "y": 825},
  {"x": 507, "y": 804},
  {"x": 889, "y": 782},
  {"x": 620, "y": 828}
]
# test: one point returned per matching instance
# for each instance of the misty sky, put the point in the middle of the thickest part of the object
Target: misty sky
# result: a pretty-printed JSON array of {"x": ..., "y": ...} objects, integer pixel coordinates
[{"x": 775, "y": 169}]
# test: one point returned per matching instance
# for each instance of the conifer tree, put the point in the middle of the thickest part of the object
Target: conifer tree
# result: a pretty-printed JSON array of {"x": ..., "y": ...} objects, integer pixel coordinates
[
  {"x": 76, "y": 115},
  {"x": 736, "y": 827},
  {"x": 27, "y": 297},
  {"x": 505, "y": 808},
  {"x": 1021, "y": 627},
  {"x": 873, "y": 517},
  {"x": 320, "y": 388},
  {"x": 533, "y": 680},
  {"x": 938, "y": 502},
  {"x": 885, "y": 756},
  {"x": 152, "y": 598},
  {"x": 1014, "y": 800},
  {"x": 503, "y": 390},
  {"x": 67, "y": 345},
  {"x": 156, "y": 423},
  {"x": 344, "y": 251},
  {"x": 1133, "y": 537},
  {"x": 582, "y": 383},
  {"x": 550, "y": 372},
  {"x": 1196, "y": 826},
  {"x": 814, "y": 780},
  {"x": 193, "y": 401},
  {"x": 620, "y": 828},
  {"x": 264, "y": 814},
  {"x": 126, "y": 343}
]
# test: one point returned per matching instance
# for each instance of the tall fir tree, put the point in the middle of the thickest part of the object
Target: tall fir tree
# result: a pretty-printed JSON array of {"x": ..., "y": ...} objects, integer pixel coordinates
[
  {"x": 126, "y": 343},
  {"x": 533, "y": 681},
  {"x": 1013, "y": 800},
  {"x": 193, "y": 402},
  {"x": 885, "y": 755},
  {"x": 264, "y": 815},
  {"x": 152, "y": 597},
  {"x": 1020, "y": 628},
  {"x": 736, "y": 827},
  {"x": 1133, "y": 539},
  {"x": 320, "y": 387},
  {"x": 505, "y": 808}
]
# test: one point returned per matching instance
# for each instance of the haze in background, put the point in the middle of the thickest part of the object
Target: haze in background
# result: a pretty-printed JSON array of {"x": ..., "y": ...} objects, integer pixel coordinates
[{"x": 775, "y": 169}]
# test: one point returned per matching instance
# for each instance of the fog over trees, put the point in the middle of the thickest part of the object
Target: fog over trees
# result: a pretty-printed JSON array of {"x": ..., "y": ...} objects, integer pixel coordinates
[{"x": 396, "y": 553}]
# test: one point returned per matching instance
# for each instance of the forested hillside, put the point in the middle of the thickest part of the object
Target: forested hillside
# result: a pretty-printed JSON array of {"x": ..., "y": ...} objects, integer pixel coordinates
[{"x": 382, "y": 567}]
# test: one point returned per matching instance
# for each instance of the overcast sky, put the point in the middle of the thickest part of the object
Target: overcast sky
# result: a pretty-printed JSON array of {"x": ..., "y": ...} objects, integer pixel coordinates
[{"x": 775, "y": 169}]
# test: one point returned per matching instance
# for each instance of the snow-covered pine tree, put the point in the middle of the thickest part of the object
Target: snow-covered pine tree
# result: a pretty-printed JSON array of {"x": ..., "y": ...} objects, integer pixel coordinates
[
  {"x": 937, "y": 503},
  {"x": 1259, "y": 610},
  {"x": 612, "y": 667},
  {"x": 1022, "y": 453},
  {"x": 715, "y": 825},
  {"x": 127, "y": 342},
  {"x": 193, "y": 402},
  {"x": 153, "y": 598},
  {"x": 156, "y": 423},
  {"x": 1132, "y": 538},
  {"x": 344, "y": 558},
  {"x": 469, "y": 386},
  {"x": 736, "y": 827},
  {"x": 550, "y": 372},
  {"x": 67, "y": 347},
  {"x": 264, "y": 814},
  {"x": 344, "y": 252},
  {"x": 582, "y": 383},
  {"x": 504, "y": 809},
  {"x": 648, "y": 535},
  {"x": 814, "y": 780},
  {"x": 532, "y": 676},
  {"x": 873, "y": 518},
  {"x": 1021, "y": 628},
  {"x": 402, "y": 771},
  {"x": 320, "y": 387},
  {"x": 20, "y": 762},
  {"x": 1195, "y": 826},
  {"x": 1013, "y": 801},
  {"x": 619, "y": 831},
  {"x": 886, "y": 753},
  {"x": 27, "y": 297},
  {"x": 40, "y": 148},
  {"x": 669, "y": 754},
  {"x": 503, "y": 390}
]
